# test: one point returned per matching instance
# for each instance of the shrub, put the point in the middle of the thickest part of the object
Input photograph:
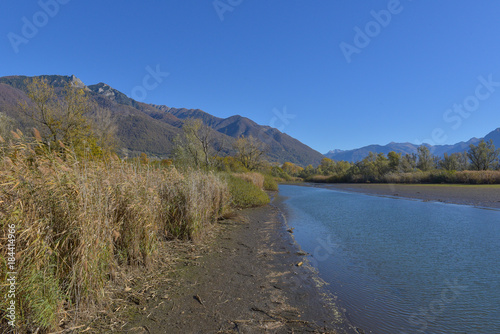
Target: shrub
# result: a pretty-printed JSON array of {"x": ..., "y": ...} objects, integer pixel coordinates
[
  {"x": 245, "y": 194},
  {"x": 318, "y": 178},
  {"x": 270, "y": 183},
  {"x": 252, "y": 177},
  {"x": 478, "y": 177},
  {"x": 280, "y": 173}
]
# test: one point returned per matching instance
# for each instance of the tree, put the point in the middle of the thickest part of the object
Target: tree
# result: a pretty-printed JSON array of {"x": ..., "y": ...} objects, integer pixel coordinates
[
  {"x": 341, "y": 167},
  {"x": 483, "y": 156},
  {"x": 449, "y": 162},
  {"x": 104, "y": 129},
  {"x": 425, "y": 159},
  {"x": 61, "y": 118},
  {"x": 394, "y": 161},
  {"x": 408, "y": 163},
  {"x": 462, "y": 160},
  {"x": 6, "y": 126},
  {"x": 373, "y": 166},
  {"x": 327, "y": 166},
  {"x": 291, "y": 168},
  {"x": 250, "y": 152},
  {"x": 198, "y": 145},
  {"x": 307, "y": 172}
]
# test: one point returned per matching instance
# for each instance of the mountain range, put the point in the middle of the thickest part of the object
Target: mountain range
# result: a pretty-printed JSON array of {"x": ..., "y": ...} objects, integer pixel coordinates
[
  {"x": 408, "y": 148},
  {"x": 152, "y": 129}
]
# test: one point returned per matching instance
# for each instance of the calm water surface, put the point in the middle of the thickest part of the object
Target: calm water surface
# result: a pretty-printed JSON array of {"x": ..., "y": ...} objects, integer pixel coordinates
[{"x": 402, "y": 266}]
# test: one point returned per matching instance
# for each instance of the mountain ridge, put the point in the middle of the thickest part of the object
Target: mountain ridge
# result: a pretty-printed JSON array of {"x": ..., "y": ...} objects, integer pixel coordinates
[
  {"x": 152, "y": 129},
  {"x": 409, "y": 148}
]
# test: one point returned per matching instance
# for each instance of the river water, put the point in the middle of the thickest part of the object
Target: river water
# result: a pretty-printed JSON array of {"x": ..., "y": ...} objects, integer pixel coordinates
[{"x": 402, "y": 266}]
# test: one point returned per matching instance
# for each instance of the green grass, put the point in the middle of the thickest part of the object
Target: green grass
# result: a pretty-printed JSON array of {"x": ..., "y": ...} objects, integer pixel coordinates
[
  {"x": 270, "y": 183},
  {"x": 245, "y": 194}
]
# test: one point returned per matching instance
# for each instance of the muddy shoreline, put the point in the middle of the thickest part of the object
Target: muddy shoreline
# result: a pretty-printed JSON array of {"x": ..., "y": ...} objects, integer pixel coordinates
[
  {"x": 483, "y": 196},
  {"x": 252, "y": 279}
]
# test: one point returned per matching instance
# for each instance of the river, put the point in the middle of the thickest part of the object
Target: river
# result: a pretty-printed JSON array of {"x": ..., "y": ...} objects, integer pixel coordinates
[{"x": 402, "y": 266}]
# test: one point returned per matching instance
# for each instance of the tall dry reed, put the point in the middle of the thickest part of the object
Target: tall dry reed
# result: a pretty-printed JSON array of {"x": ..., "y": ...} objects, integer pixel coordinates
[
  {"x": 78, "y": 221},
  {"x": 189, "y": 203}
]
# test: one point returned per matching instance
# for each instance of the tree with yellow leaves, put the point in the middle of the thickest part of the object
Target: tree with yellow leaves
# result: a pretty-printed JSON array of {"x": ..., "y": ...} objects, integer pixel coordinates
[{"x": 63, "y": 119}]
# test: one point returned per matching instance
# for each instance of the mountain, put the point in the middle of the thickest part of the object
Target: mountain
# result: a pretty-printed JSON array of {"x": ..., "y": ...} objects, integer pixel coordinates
[
  {"x": 136, "y": 131},
  {"x": 335, "y": 151},
  {"x": 408, "y": 148},
  {"x": 495, "y": 136},
  {"x": 280, "y": 146},
  {"x": 151, "y": 128}
]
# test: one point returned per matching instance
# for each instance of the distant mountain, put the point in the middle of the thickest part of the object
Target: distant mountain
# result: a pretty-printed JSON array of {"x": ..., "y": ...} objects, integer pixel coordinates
[
  {"x": 152, "y": 129},
  {"x": 335, "y": 151},
  {"x": 408, "y": 148},
  {"x": 495, "y": 136}
]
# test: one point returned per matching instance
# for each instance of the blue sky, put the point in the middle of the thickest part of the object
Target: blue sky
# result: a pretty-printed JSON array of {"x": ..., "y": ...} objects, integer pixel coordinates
[{"x": 333, "y": 74}]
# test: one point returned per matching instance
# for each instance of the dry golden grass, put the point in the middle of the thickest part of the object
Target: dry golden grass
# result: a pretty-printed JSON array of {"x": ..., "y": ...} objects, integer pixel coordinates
[
  {"x": 442, "y": 176},
  {"x": 79, "y": 222}
]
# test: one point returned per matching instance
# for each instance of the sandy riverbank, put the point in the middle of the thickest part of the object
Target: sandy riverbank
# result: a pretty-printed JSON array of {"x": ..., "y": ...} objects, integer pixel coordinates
[
  {"x": 250, "y": 280},
  {"x": 487, "y": 196}
]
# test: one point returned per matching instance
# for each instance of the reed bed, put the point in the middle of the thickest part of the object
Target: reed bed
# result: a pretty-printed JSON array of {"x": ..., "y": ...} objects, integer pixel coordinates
[
  {"x": 442, "y": 176},
  {"x": 78, "y": 221},
  {"x": 436, "y": 176}
]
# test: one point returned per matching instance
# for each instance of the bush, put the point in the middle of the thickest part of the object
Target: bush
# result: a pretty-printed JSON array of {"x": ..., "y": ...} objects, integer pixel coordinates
[
  {"x": 318, "y": 178},
  {"x": 270, "y": 183},
  {"x": 252, "y": 177},
  {"x": 245, "y": 194},
  {"x": 478, "y": 177},
  {"x": 280, "y": 173}
]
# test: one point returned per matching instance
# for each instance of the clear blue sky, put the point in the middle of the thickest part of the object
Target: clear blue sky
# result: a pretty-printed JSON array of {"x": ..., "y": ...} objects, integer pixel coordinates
[{"x": 267, "y": 55}]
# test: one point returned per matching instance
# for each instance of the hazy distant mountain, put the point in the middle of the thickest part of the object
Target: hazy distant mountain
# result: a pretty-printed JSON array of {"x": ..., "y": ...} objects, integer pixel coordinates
[
  {"x": 335, "y": 151},
  {"x": 152, "y": 128},
  {"x": 495, "y": 136},
  {"x": 404, "y": 148}
]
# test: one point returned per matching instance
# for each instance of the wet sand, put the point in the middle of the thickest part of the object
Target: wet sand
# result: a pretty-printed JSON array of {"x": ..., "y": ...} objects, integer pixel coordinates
[{"x": 487, "y": 196}]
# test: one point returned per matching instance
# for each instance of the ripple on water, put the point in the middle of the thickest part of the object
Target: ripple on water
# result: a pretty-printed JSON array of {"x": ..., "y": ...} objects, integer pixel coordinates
[{"x": 402, "y": 266}]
